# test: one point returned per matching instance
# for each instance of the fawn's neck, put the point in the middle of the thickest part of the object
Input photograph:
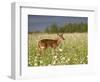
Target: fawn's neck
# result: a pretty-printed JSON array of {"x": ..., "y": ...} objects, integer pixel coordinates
[{"x": 59, "y": 40}]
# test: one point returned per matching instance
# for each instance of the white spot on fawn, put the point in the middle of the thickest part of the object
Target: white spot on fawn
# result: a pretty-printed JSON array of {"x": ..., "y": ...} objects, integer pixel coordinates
[{"x": 42, "y": 47}]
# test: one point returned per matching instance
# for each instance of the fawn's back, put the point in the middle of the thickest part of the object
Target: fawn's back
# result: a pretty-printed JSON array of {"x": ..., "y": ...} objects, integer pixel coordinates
[
  {"x": 45, "y": 43},
  {"x": 53, "y": 43}
]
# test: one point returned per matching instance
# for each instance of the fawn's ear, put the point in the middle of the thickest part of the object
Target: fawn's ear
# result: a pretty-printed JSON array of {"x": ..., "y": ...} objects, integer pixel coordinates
[
  {"x": 61, "y": 34},
  {"x": 58, "y": 34}
]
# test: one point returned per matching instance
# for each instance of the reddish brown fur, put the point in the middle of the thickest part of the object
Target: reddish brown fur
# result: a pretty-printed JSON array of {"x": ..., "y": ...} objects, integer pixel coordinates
[{"x": 52, "y": 43}]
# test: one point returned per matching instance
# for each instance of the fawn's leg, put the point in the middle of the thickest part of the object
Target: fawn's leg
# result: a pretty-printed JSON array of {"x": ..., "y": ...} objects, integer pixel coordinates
[{"x": 42, "y": 51}]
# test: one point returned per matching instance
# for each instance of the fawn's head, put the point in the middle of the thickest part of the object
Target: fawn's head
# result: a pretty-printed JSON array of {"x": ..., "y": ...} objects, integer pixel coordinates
[{"x": 61, "y": 36}]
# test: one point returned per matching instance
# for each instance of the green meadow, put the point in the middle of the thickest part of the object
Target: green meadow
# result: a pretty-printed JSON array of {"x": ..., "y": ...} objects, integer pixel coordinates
[{"x": 72, "y": 51}]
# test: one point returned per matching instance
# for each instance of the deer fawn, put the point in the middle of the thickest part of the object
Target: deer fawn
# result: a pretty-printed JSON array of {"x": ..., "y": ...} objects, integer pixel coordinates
[{"x": 52, "y": 43}]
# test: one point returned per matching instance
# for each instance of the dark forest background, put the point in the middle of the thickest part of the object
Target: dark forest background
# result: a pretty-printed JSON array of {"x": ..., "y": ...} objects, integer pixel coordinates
[{"x": 66, "y": 28}]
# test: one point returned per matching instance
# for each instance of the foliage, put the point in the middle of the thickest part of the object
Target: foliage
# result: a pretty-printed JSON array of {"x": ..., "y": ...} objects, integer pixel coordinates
[
  {"x": 74, "y": 50},
  {"x": 67, "y": 28}
]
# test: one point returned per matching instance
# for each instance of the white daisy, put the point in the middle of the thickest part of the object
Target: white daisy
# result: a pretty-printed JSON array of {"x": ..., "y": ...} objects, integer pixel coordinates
[
  {"x": 35, "y": 64},
  {"x": 55, "y": 57},
  {"x": 41, "y": 62},
  {"x": 60, "y": 50},
  {"x": 63, "y": 58},
  {"x": 68, "y": 59}
]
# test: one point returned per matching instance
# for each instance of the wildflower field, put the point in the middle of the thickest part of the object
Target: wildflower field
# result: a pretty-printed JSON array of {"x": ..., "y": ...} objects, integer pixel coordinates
[{"x": 73, "y": 50}]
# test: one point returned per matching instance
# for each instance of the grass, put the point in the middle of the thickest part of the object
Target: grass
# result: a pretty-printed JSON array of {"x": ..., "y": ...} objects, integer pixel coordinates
[{"x": 73, "y": 50}]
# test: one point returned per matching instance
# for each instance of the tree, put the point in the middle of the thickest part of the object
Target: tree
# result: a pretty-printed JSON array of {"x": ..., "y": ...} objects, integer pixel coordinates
[
  {"x": 46, "y": 30},
  {"x": 54, "y": 28},
  {"x": 67, "y": 28}
]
